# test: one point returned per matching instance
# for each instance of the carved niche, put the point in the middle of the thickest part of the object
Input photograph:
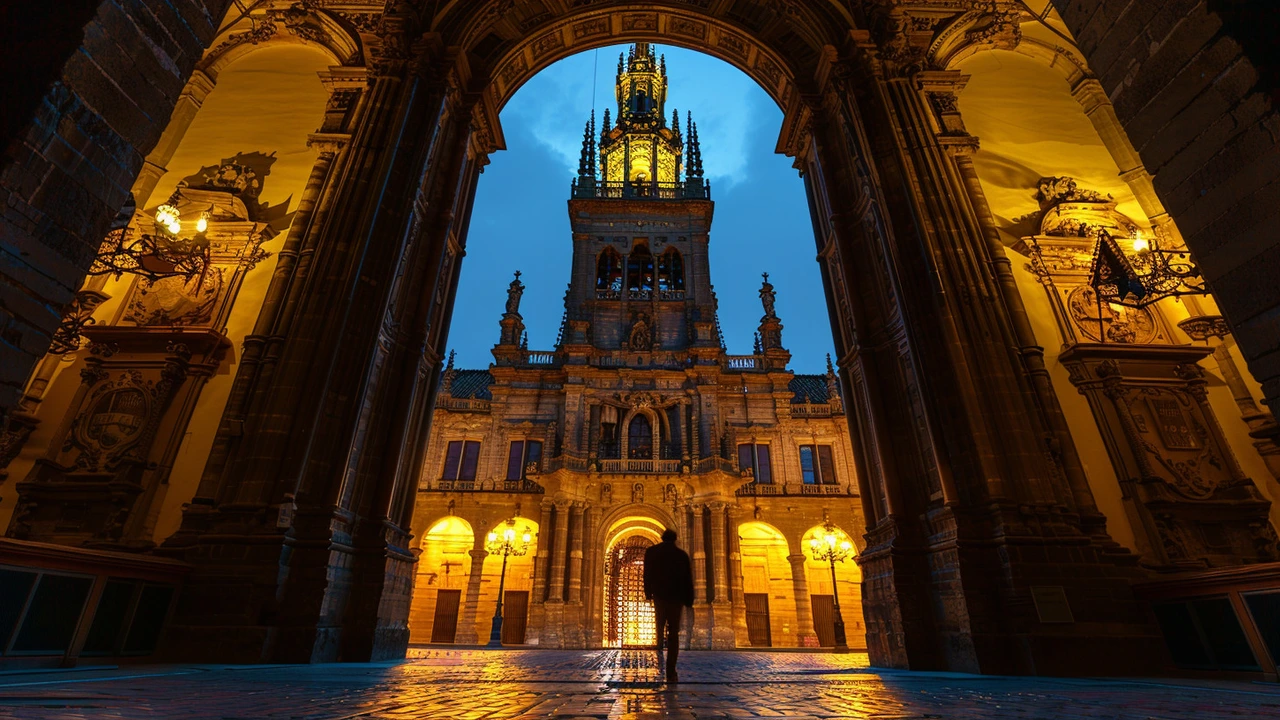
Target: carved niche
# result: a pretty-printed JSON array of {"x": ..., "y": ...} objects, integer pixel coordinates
[
  {"x": 1186, "y": 497},
  {"x": 101, "y": 478},
  {"x": 1061, "y": 256}
]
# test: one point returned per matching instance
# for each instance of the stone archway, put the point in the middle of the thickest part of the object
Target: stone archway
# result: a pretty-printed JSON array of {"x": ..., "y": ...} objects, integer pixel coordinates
[
  {"x": 910, "y": 357},
  {"x": 955, "y": 436}
]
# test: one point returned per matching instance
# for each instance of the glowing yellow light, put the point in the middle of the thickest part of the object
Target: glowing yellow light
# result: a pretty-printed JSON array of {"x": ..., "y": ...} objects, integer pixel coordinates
[
  {"x": 846, "y": 545},
  {"x": 526, "y": 537},
  {"x": 175, "y": 227},
  {"x": 1140, "y": 244},
  {"x": 493, "y": 537},
  {"x": 202, "y": 224}
]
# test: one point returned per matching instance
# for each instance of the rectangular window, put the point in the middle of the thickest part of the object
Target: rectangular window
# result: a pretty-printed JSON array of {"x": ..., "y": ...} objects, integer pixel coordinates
[
  {"x": 460, "y": 460},
  {"x": 807, "y": 471},
  {"x": 756, "y": 458},
  {"x": 523, "y": 453},
  {"x": 816, "y": 465}
]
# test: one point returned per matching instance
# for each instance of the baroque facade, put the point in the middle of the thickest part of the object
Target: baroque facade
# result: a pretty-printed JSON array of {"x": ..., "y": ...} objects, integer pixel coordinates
[
  {"x": 250, "y": 398},
  {"x": 637, "y": 421}
]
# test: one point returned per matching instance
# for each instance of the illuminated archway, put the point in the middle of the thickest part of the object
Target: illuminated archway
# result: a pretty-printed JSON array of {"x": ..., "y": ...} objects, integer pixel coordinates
[
  {"x": 444, "y": 564},
  {"x": 517, "y": 588},
  {"x": 766, "y": 582},
  {"x": 848, "y": 583}
]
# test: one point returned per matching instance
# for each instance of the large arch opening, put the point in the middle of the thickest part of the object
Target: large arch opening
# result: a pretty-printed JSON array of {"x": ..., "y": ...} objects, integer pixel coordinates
[{"x": 954, "y": 426}]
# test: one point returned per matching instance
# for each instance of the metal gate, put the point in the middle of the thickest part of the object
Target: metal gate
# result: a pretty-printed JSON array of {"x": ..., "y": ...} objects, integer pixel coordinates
[
  {"x": 824, "y": 619},
  {"x": 631, "y": 621}
]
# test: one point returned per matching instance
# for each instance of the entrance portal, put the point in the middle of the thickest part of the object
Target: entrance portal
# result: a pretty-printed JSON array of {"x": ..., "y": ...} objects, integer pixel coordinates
[{"x": 631, "y": 620}]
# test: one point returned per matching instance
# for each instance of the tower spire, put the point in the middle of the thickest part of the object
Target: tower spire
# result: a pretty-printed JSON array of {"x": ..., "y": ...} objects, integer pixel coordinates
[{"x": 587, "y": 161}]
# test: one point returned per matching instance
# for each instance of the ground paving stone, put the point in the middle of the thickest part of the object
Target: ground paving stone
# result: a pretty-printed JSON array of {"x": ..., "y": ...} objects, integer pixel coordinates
[{"x": 611, "y": 685}]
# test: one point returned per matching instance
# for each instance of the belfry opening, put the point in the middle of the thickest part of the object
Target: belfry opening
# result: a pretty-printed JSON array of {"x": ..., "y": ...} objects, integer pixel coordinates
[{"x": 1043, "y": 443}]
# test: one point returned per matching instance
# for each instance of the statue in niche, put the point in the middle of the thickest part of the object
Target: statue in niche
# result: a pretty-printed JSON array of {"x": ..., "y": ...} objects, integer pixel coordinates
[
  {"x": 641, "y": 337},
  {"x": 606, "y": 494},
  {"x": 672, "y": 496},
  {"x": 637, "y": 493}
]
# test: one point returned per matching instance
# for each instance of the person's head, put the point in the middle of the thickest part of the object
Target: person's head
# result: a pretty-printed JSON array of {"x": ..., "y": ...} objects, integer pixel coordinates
[{"x": 669, "y": 536}]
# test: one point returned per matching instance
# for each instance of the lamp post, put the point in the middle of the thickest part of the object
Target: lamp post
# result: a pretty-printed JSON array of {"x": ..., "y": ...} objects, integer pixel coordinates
[
  {"x": 506, "y": 543},
  {"x": 831, "y": 547}
]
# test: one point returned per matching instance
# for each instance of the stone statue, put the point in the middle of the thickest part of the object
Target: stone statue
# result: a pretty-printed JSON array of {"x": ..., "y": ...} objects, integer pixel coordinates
[
  {"x": 641, "y": 337},
  {"x": 767, "y": 296},
  {"x": 514, "y": 291}
]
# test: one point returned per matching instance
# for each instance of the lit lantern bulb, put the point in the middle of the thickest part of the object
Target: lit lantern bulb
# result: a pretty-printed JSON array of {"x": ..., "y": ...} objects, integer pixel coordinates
[
  {"x": 526, "y": 537},
  {"x": 202, "y": 224},
  {"x": 493, "y": 537},
  {"x": 175, "y": 227},
  {"x": 1140, "y": 244}
]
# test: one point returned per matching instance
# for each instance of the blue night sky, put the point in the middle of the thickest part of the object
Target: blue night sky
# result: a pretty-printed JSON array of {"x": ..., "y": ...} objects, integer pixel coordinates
[{"x": 521, "y": 219}]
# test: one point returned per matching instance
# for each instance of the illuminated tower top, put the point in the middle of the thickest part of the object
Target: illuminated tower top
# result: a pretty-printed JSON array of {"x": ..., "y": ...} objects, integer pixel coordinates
[{"x": 642, "y": 155}]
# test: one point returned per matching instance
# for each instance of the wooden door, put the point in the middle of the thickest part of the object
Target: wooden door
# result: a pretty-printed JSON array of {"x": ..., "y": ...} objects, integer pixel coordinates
[
  {"x": 445, "y": 624},
  {"x": 824, "y": 620},
  {"x": 758, "y": 619},
  {"x": 515, "y": 613}
]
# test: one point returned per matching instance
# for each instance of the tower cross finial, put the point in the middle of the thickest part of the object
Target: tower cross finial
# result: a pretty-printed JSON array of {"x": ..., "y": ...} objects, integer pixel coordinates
[{"x": 765, "y": 275}]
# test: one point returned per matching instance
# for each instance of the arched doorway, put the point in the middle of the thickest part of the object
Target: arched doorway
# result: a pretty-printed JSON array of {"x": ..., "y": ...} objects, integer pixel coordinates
[
  {"x": 370, "y": 320},
  {"x": 444, "y": 565},
  {"x": 629, "y": 617}
]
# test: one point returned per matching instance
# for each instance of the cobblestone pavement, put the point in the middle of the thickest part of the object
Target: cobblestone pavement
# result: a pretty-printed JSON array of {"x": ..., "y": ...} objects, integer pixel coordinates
[{"x": 568, "y": 685}]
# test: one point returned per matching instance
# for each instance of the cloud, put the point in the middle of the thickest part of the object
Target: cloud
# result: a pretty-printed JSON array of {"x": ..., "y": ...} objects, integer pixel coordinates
[{"x": 555, "y": 104}]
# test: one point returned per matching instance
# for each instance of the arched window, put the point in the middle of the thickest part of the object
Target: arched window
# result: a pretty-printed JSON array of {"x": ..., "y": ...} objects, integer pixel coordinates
[
  {"x": 640, "y": 438},
  {"x": 670, "y": 270},
  {"x": 640, "y": 269},
  {"x": 609, "y": 271}
]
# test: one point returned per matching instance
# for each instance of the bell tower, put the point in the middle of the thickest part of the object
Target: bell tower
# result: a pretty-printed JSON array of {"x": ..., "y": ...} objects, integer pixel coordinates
[{"x": 641, "y": 216}]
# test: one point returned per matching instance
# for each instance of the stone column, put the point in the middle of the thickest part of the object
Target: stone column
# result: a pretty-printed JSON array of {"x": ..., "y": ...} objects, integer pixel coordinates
[
  {"x": 722, "y": 633},
  {"x": 699, "y": 556},
  {"x": 559, "y": 553},
  {"x": 1030, "y": 351},
  {"x": 575, "y": 554},
  {"x": 735, "y": 579},
  {"x": 541, "y": 564},
  {"x": 700, "y": 630},
  {"x": 805, "y": 635},
  {"x": 553, "y": 628},
  {"x": 467, "y": 633}
]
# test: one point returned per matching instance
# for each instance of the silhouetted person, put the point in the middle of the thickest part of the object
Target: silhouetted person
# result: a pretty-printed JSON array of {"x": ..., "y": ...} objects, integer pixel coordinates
[{"x": 668, "y": 582}]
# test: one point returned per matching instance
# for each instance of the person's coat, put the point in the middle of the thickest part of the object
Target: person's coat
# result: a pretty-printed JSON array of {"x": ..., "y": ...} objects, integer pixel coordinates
[{"x": 668, "y": 574}]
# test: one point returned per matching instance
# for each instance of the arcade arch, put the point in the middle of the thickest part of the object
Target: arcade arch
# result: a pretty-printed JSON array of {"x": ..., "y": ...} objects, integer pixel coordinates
[
  {"x": 444, "y": 565},
  {"x": 956, "y": 435}
]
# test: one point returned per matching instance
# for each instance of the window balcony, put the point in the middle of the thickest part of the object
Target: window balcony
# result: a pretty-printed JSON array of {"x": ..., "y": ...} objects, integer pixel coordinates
[
  {"x": 506, "y": 486},
  {"x": 793, "y": 489},
  {"x": 640, "y": 466}
]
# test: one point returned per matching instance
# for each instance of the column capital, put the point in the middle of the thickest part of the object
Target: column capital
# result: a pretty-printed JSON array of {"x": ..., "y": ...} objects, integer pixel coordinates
[
  {"x": 479, "y": 554},
  {"x": 328, "y": 144},
  {"x": 797, "y": 559}
]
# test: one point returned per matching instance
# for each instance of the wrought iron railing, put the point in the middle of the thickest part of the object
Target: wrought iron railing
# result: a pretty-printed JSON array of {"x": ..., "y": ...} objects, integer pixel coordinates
[{"x": 687, "y": 190}]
